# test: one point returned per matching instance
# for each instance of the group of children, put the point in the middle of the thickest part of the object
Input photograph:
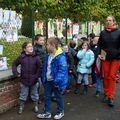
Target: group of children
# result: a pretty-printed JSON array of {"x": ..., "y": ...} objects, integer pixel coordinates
[
  {"x": 84, "y": 62},
  {"x": 55, "y": 68}
]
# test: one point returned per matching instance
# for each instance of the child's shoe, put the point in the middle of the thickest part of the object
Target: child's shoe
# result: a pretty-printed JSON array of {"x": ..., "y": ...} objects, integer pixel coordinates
[
  {"x": 53, "y": 99},
  {"x": 36, "y": 109},
  {"x": 44, "y": 115},
  {"x": 58, "y": 116},
  {"x": 97, "y": 94},
  {"x": 21, "y": 108},
  {"x": 85, "y": 90},
  {"x": 77, "y": 90}
]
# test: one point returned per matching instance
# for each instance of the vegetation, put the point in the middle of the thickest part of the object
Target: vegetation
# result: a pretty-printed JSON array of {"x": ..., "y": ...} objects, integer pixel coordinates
[
  {"x": 74, "y": 9},
  {"x": 12, "y": 50}
]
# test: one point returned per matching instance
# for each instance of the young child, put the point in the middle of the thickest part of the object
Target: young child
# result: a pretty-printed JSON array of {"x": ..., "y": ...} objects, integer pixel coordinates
[
  {"x": 86, "y": 59},
  {"x": 55, "y": 79},
  {"x": 96, "y": 67},
  {"x": 40, "y": 50},
  {"x": 98, "y": 76},
  {"x": 30, "y": 72},
  {"x": 39, "y": 47},
  {"x": 70, "y": 63}
]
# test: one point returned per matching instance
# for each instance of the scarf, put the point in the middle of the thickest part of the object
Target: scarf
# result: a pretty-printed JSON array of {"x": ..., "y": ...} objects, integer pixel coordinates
[{"x": 110, "y": 28}]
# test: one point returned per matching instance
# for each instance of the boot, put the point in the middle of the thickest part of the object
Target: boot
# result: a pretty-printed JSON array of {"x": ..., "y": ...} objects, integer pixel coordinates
[
  {"x": 36, "y": 109},
  {"x": 21, "y": 108},
  {"x": 77, "y": 89},
  {"x": 85, "y": 90}
]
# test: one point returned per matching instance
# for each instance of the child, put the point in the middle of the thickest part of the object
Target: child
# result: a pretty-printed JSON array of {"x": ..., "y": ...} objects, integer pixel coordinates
[
  {"x": 70, "y": 62},
  {"x": 86, "y": 59},
  {"x": 96, "y": 67},
  {"x": 98, "y": 76},
  {"x": 40, "y": 50},
  {"x": 30, "y": 72},
  {"x": 39, "y": 47},
  {"x": 55, "y": 79}
]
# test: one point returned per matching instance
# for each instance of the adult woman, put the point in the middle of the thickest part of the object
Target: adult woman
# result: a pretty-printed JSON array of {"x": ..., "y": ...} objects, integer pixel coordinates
[{"x": 109, "y": 42}]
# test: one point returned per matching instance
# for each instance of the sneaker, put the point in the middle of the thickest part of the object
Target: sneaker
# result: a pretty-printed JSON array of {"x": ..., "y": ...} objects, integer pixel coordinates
[
  {"x": 53, "y": 99},
  {"x": 110, "y": 102},
  {"x": 58, "y": 116},
  {"x": 44, "y": 115},
  {"x": 97, "y": 94},
  {"x": 85, "y": 90},
  {"x": 21, "y": 109},
  {"x": 36, "y": 109}
]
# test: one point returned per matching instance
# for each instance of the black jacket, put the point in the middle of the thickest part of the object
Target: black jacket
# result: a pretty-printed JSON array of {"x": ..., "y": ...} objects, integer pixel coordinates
[
  {"x": 70, "y": 61},
  {"x": 40, "y": 51},
  {"x": 110, "y": 42}
]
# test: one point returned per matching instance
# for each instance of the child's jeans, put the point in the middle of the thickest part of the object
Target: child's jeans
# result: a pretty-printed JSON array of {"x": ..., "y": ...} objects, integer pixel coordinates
[
  {"x": 70, "y": 78},
  {"x": 83, "y": 77},
  {"x": 49, "y": 89},
  {"x": 98, "y": 82},
  {"x": 24, "y": 91}
]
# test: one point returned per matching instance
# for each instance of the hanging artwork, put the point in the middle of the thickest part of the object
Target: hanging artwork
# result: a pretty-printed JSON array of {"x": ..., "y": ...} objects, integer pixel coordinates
[
  {"x": 75, "y": 28},
  {"x": 11, "y": 35},
  {"x": 3, "y": 63},
  {"x": 38, "y": 27},
  {"x": 8, "y": 28},
  {"x": 69, "y": 29},
  {"x": 59, "y": 29},
  {"x": 6, "y": 16}
]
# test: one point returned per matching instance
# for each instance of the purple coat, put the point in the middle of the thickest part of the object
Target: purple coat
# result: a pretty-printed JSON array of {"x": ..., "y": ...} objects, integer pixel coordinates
[{"x": 30, "y": 68}]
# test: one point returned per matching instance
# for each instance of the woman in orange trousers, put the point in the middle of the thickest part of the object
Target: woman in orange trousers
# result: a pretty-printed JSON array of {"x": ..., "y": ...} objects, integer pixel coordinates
[{"x": 109, "y": 42}]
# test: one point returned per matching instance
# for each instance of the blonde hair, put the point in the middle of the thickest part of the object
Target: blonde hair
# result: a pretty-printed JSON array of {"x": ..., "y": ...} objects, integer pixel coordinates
[{"x": 53, "y": 41}]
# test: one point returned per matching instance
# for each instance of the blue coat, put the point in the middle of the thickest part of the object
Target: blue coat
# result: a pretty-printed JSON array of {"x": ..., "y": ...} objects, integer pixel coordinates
[
  {"x": 86, "y": 59},
  {"x": 59, "y": 70}
]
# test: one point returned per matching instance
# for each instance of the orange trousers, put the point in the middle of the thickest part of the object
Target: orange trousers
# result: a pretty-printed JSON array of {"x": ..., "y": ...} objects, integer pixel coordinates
[{"x": 110, "y": 69}]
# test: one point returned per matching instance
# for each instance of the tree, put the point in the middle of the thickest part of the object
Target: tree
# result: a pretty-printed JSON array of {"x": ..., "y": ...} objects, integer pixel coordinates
[{"x": 76, "y": 10}]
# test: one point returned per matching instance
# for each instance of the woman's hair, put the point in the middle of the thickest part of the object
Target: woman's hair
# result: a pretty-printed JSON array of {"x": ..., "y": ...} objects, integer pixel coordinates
[
  {"x": 114, "y": 20},
  {"x": 53, "y": 41},
  {"x": 24, "y": 45}
]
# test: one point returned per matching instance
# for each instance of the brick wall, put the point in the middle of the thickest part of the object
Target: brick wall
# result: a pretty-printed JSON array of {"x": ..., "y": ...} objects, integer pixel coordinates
[{"x": 9, "y": 93}]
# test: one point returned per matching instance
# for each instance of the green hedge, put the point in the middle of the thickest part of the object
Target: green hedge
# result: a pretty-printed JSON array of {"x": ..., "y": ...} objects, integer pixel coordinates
[{"x": 12, "y": 50}]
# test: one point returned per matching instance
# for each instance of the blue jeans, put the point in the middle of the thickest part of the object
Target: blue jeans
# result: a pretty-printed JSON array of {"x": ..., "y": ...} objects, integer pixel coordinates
[
  {"x": 24, "y": 91},
  {"x": 83, "y": 77},
  {"x": 49, "y": 89},
  {"x": 98, "y": 82}
]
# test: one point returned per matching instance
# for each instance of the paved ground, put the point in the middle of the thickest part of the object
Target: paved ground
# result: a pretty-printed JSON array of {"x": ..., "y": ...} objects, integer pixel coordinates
[{"x": 77, "y": 107}]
